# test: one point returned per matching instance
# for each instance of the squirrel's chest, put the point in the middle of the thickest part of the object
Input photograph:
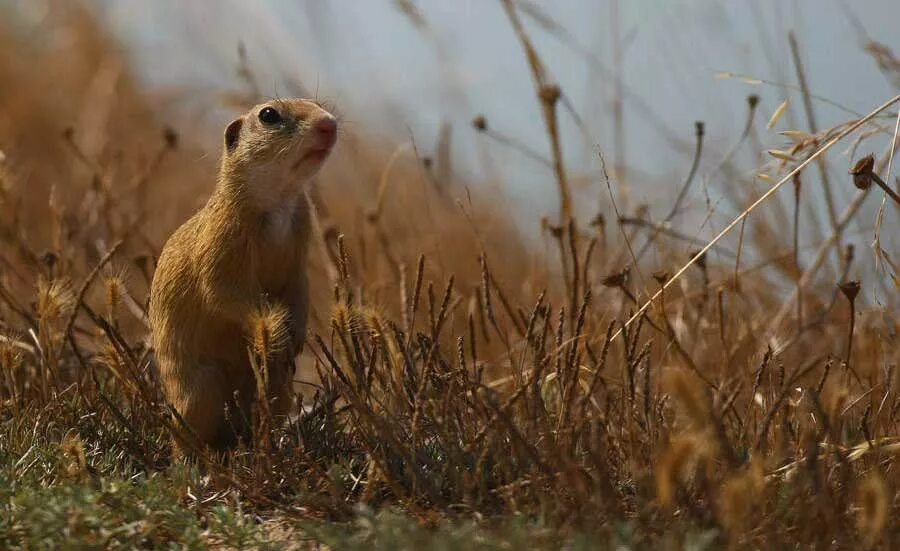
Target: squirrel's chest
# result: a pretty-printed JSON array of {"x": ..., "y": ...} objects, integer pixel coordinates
[
  {"x": 279, "y": 250},
  {"x": 278, "y": 224}
]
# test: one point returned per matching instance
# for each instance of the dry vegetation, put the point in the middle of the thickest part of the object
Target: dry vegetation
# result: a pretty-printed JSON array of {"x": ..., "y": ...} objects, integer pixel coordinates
[{"x": 471, "y": 386}]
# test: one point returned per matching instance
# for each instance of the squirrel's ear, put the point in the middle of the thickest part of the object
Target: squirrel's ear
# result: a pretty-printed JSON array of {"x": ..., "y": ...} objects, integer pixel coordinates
[{"x": 232, "y": 133}]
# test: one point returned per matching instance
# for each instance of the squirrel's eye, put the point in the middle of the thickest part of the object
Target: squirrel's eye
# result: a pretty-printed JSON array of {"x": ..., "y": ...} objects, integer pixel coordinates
[{"x": 269, "y": 116}]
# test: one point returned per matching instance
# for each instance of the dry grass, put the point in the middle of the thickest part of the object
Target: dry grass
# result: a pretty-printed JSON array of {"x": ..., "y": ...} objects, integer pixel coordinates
[{"x": 453, "y": 371}]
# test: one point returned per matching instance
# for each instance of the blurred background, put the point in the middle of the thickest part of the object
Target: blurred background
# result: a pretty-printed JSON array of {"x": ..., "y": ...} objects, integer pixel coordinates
[{"x": 399, "y": 69}]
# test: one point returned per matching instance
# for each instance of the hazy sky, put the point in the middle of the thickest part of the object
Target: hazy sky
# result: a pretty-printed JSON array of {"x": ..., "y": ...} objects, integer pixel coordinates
[{"x": 391, "y": 78}]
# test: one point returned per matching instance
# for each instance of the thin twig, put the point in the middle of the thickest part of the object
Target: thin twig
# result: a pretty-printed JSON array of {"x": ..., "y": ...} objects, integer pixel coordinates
[
  {"x": 548, "y": 101},
  {"x": 813, "y": 127}
]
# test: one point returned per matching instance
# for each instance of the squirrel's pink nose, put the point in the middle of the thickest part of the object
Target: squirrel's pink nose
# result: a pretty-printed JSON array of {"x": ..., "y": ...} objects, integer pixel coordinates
[{"x": 326, "y": 128}]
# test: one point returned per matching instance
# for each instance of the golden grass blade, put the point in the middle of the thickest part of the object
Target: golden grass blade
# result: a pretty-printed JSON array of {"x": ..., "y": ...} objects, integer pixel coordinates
[
  {"x": 779, "y": 112},
  {"x": 783, "y": 155},
  {"x": 796, "y": 136}
]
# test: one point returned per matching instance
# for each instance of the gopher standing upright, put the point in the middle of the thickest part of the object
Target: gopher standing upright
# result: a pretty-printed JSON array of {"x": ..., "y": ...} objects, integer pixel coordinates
[{"x": 242, "y": 252}]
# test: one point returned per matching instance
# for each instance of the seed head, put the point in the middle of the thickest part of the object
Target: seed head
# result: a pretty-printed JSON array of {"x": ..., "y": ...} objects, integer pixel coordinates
[
  {"x": 617, "y": 279},
  {"x": 374, "y": 322},
  {"x": 340, "y": 317},
  {"x": 269, "y": 329},
  {"x": 114, "y": 290},
  {"x": 863, "y": 172},
  {"x": 55, "y": 299},
  {"x": 850, "y": 290},
  {"x": 864, "y": 176}
]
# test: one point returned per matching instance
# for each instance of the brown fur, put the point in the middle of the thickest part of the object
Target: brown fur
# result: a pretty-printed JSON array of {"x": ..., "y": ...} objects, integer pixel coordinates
[{"x": 246, "y": 248}]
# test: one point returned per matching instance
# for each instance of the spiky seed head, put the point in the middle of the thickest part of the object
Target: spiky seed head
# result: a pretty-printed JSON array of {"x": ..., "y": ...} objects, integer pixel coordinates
[
  {"x": 269, "y": 329},
  {"x": 340, "y": 317},
  {"x": 114, "y": 290},
  {"x": 55, "y": 298},
  {"x": 374, "y": 322}
]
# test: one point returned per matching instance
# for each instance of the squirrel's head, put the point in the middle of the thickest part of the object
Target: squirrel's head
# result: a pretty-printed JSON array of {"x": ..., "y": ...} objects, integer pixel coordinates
[{"x": 285, "y": 139}]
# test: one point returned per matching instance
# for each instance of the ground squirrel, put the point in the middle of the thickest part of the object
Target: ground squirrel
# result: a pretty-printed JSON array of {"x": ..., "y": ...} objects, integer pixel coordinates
[{"x": 244, "y": 251}]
